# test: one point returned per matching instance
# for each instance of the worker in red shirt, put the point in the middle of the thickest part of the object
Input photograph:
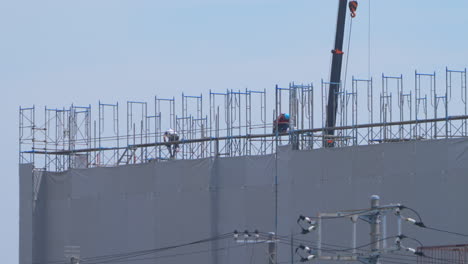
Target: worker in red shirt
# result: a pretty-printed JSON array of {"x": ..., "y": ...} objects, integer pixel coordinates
[{"x": 281, "y": 124}]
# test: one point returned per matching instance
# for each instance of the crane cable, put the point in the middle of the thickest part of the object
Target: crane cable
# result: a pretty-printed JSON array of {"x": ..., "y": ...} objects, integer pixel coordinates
[{"x": 369, "y": 44}]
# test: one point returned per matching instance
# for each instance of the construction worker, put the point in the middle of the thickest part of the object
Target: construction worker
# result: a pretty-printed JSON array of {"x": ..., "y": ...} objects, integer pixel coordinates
[
  {"x": 281, "y": 124},
  {"x": 171, "y": 136}
]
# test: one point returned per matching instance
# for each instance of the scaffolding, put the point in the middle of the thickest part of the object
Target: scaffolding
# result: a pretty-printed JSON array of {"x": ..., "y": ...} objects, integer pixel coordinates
[
  {"x": 394, "y": 85},
  {"x": 241, "y": 122}
]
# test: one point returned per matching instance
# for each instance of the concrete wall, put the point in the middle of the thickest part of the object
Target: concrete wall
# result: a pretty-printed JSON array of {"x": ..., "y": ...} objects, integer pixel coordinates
[{"x": 102, "y": 211}]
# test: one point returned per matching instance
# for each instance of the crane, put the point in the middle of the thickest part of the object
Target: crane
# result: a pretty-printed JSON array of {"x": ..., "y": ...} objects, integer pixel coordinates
[{"x": 335, "y": 75}]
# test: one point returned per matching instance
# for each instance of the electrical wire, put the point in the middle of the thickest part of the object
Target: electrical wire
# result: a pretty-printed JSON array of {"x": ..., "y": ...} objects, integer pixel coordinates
[
  {"x": 54, "y": 262},
  {"x": 343, "y": 248},
  {"x": 400, "y": 259},
  {"x": 414, "y": 239},
  {"x": 116, "y": 257},
  {"x": 368, "y": 244},
  {"x": 132, "y": 255},
  {"x": 445, "y": 231},
  {"x": 281, "y": 239},
  {"x": 51, "y": 262},
  {"x": 182, "y": 254},
  {"x": 422, "y": 225},
  {"x": 414, "y": 211},
  {"x": 399, "y": 262},
  {"x": 132, "y": 258},
  {"x": 391, "y": 258},
  {"x": 284, "y": 241}
]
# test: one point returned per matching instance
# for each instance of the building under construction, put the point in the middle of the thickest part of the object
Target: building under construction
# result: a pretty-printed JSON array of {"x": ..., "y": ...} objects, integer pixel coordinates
[
  {"x": 102, "y": 188},
  {"x": 226, "y": 184}
]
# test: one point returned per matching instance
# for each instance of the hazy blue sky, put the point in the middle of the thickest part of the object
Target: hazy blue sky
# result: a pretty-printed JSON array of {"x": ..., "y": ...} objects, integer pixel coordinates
[{"x": 60, "y": 52}]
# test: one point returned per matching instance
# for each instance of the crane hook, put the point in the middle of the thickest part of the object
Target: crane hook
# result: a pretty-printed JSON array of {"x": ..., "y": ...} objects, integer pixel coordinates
[{"x": 352, "y": 8}]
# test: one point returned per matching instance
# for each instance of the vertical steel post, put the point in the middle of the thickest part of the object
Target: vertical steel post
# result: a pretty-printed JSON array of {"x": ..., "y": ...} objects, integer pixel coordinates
[
  {"x": 384, "y": 230},
  {"x": 354, "y": 243},
  {"x": 399, "y": 223},
  {"x": 272, "y": 248},
  {"x": 20, "y": 136},
  {"x": 375, "y": 225},
  {"x": 464, "y": 99},
  {"x": 292, "y": 246},
  {"x": 319, "y": 236}
]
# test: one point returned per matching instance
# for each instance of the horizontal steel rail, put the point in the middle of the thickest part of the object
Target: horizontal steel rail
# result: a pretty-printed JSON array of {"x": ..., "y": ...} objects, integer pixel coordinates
[{"x": 255, "y": 136}]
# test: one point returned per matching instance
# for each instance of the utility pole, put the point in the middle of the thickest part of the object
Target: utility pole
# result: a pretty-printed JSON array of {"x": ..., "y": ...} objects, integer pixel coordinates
[
  {"x": 271, "y": 249},
  {"x": 374, "y": 222},
  {"x": 373, "y": 216}
]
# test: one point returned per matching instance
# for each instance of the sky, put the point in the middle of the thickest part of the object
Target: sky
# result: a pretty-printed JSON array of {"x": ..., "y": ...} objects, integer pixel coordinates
[{"x": 55, "y": 53}]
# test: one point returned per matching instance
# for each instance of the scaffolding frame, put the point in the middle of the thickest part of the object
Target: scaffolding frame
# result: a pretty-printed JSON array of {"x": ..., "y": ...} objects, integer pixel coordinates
[
  {"x": 107, "y": 133},
  {"x": 368, "y": 84},
  {"x": 462, "y": 130},
  {"x": 238, "y": 124}
]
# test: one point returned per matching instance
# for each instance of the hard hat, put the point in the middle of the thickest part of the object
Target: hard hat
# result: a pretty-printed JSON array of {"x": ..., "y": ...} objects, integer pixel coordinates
[
  {"x": 286, "y": 116},
  {"x": 169, "y": 131}
]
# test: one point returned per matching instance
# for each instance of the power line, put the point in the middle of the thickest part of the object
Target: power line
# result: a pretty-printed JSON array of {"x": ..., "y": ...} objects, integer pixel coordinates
[
  {"x": 445, "y": 231},
  {"x": 183, "y": 254},
  {"x": 414, "y": 211},
  {"x": 149, "y": 252},
  {"x": 51, "y": 262},
  {"x": 421, "y": 224},
  {"x": 368, "y": 244},
  {"x": 285, "y": 239},
  {"x": 400, "y": 259},
  {"x": 127, "y": 255}
]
